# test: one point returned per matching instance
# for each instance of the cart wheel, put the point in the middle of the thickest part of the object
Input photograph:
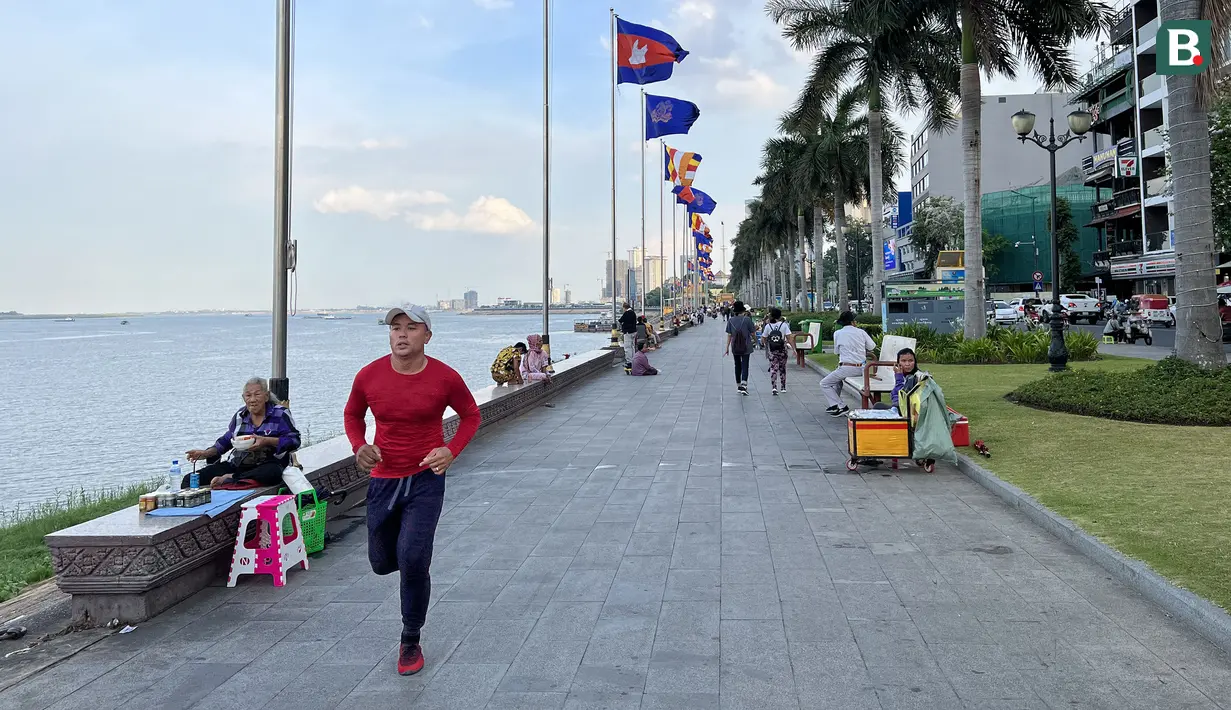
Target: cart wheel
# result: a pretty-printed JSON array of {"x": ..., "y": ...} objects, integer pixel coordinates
[
  {"x": 852, "y": 464},
  {"x": 929, "y": 466},
  {"x": 1149, "y": 340}
]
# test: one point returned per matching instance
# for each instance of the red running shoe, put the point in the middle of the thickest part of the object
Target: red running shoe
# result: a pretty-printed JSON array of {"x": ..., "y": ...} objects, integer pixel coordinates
[{"x": 410, "y": 659}]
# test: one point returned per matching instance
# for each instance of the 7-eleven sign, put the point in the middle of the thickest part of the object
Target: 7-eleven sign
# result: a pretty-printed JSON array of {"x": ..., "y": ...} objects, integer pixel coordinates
[{"x": 1128, "y": 166}]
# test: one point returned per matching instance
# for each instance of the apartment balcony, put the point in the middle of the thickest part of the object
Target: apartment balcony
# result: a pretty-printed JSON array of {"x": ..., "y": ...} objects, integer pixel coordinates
[
  {"x": 1146, "y": 36},
  {"x": 1158, "y": 241},
  {"x": 1122, "y": 204},
  {"x": 1152, "y": 90},
  {"x": 1129, "y": 247},
  {"x": 1154, "y": 142},
  {"x": 1109, "y": 62},
  {"x": 1158, "y": 191},
  {"x": 1122, "y": 26}
]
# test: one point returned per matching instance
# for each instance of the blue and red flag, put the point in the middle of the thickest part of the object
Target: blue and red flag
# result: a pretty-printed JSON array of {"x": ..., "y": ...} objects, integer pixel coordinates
[
  {"x": 645, "y": 55},
  {"x": 700, "y": 203}
]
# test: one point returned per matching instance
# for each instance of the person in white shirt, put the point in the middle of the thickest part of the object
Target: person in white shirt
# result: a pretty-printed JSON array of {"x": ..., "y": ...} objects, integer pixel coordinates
[{"x": 853, "y": 346}]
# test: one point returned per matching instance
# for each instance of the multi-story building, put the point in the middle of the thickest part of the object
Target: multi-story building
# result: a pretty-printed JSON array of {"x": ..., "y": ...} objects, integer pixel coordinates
[
  {"x": 621, "y": 276},
  {"x": 472, "y": 299},
  {"x": 1128, "y": 162},
  {"x": 936, "y": 158}
]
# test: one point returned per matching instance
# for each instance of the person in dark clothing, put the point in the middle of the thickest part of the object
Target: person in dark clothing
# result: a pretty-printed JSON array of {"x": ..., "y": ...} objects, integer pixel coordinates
[
  {"x": 628, "y": 327},
  {"x": 740, "y": 330},
  {"x": 260, "y": 439}
]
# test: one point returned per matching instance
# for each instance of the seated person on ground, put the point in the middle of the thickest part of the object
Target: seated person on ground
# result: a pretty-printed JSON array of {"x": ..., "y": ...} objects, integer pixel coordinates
[
  {"x": 641, "y": 362},
  {"x": 1114, "y": 327},
  {"x": 260, "y": 437},
  {"x": 534, "y": 364},
  {"x": 507, "y": 367},
  {"x": 651, "y": 337}
]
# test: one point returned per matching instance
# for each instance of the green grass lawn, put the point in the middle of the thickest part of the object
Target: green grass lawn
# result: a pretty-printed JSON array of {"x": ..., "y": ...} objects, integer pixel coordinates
[
  {"x": 1157, "y": 493},
  {"x": 24, "y": 559}
]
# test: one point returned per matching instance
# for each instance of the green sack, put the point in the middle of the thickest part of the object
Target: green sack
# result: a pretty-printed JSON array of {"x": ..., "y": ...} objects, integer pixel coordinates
[{"x": 933, "y": 438}]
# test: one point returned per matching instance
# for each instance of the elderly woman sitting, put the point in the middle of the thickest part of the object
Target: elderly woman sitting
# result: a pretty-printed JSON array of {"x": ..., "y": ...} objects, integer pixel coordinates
[
  {"x": 260, "y": 437},
  {"x": 534, "y": 365}
]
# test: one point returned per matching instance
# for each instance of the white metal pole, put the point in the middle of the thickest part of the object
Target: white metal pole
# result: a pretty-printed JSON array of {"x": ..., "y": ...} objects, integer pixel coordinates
[{"x": 547, "y": 178}]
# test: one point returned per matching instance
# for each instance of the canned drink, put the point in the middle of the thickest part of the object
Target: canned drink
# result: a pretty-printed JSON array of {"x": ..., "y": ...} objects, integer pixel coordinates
[
  {"x": 166, "y": 500},
  {"x": 147, "y": 502}
]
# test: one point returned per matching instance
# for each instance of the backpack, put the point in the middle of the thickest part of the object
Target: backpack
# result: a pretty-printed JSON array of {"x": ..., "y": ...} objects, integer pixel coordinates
[
  {"x": 739, "y": 340},
  {"x": 776, "y": 340}
]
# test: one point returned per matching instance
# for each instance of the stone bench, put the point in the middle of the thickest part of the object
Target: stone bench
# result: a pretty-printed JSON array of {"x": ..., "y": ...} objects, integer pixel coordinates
[{"x": 129, "y": 567}]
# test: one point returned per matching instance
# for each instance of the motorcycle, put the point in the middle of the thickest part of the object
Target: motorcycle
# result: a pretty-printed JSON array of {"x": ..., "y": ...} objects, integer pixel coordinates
[{"x": 1137, "y": 326}]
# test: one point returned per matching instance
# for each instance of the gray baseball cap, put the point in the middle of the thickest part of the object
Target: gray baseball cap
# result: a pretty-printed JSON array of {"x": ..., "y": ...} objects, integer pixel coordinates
[{"x": 417, "y": 314}]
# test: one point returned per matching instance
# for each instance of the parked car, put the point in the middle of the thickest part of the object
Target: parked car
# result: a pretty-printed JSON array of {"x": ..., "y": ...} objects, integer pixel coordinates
[
  {"x": 1077, "y": 306},
  {"x": 1224, "y": 312},
  {"x": 1003, "y": 313}
]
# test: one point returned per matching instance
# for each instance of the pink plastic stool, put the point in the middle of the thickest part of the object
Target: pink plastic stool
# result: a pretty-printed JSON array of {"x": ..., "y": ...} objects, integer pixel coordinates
[{"x": 274, "y": 554}]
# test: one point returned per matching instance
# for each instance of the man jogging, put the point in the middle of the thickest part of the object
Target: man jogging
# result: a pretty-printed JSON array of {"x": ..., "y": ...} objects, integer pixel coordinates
[
  {"x": 740, "y": 331},
  {"x": 628, "y": 326},
  {"x": 408, "y": 392},
  {"x": 853, "y": 345}
]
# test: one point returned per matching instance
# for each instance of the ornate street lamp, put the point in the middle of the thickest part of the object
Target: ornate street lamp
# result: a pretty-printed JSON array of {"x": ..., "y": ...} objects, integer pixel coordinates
[{"x": 1079, "y": 125}]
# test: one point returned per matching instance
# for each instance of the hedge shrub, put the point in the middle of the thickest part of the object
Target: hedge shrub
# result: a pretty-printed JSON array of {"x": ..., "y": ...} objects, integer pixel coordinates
[
  {"x": 1002, "y": 345},
  {"x": 1172, "y": 391}
]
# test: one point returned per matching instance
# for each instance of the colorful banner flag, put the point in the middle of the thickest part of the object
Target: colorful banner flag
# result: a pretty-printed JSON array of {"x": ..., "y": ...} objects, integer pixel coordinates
[
  {"x": 700, "y": 203},
  {"x": 665, "y": 116},
  {"x": 645, "y": 55},
  {"x": 681, "y": 168}
]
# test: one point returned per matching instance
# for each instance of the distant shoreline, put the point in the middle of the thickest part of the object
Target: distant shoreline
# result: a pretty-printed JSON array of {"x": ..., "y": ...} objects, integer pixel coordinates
[{"x": 595, "y": 310}]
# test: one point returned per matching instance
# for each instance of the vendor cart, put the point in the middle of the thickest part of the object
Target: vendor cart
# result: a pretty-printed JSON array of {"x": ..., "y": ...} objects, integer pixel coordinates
[{"x": 875, "y": 434}]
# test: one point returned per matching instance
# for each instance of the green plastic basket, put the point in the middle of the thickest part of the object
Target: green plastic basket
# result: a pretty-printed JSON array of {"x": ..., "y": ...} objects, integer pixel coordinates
[{"x": 311, "y": 521}]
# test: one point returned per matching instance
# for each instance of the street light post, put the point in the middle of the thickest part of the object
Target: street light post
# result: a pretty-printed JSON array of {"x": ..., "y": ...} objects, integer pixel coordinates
[
  {"x": 1034, "y": 243},
  {"x": 1079, "y": 125}
]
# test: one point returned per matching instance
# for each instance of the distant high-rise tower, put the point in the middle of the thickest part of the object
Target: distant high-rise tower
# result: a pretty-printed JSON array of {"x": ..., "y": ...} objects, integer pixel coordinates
[{"x": 472, "y": 299}]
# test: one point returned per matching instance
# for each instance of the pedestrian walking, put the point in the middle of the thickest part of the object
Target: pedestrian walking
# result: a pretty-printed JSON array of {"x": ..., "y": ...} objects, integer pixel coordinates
[
  {"x": 740, "y": 330},
  {"x": 777, "y": 338},
  {"x": 628, "y": 327},
  {"x": 853, "y": 345},
  {"x": 407, "y": 392}
]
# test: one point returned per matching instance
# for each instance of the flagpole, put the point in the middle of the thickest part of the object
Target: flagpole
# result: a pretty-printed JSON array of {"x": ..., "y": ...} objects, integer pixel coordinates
[
  {"x": 279, "y": 385},
  {"x": 675, "y": 265},
  {"x": 644, "y": 276},
  {"x": 615, "y": 296},
  {"x": 662, "y": 272},
  {"x": 547, "y": 178}
]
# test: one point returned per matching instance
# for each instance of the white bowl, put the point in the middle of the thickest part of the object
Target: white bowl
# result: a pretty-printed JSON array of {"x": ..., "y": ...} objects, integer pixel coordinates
[{"x": 243, "y": 443}]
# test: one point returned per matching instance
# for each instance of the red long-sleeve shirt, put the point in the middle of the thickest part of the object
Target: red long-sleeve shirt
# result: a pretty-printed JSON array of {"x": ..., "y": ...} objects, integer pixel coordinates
[{"x": 409, "y": 411}]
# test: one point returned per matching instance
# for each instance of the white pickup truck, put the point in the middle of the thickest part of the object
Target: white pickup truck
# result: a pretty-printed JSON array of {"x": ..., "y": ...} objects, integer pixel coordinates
[{"x": 1077, "y": 305}]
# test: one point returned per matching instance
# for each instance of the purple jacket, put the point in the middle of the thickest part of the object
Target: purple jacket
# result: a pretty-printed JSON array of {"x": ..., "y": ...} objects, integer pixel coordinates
[
  {"x": 277, "y": 423},
  {"x": 641, "y": 365}
]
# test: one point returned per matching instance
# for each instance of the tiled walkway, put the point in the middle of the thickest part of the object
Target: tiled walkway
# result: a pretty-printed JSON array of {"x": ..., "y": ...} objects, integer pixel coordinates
[{"x": 666, "y": 543}]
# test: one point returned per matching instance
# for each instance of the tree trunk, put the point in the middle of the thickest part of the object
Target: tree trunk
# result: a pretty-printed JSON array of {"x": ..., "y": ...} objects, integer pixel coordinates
[
  {"x": 789, "y": 252},
  {"x": 975, "y": 318},
  {"x": 876, "y": 198},
  {"x": 839, "y": 225},
  {"x": 803, "y": 261},
  {"x": 818, "y": 257},
  {"x": 1198, "y": 335}
]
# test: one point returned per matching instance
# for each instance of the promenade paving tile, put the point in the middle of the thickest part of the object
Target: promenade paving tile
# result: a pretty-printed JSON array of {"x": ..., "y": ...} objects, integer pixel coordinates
[{"x": 665, "y": 542}]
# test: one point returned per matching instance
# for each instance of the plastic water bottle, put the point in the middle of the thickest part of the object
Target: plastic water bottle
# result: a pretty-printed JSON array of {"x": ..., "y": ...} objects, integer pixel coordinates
[{"x": 175, "y": 476}]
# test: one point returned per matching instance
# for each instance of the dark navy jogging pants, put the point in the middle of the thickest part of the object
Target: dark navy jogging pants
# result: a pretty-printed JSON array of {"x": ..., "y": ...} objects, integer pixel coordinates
[{"x": 402, "y": 517}]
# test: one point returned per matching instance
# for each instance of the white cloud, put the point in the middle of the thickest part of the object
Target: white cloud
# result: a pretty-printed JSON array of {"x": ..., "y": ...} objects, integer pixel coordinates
[
  {"x": 487, "y": 215},
  {"x": 425, "y": 22},
  {"x": 374, "y": 144},
  {"x": 695, "y": 11},
  {"x": 494, "y": 4},
  {"x": 382, "y": 204},
  {"x": 754, "y": 87}
]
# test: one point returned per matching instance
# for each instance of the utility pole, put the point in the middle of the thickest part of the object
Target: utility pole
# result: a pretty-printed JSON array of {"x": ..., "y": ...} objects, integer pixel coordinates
[{"x": 284, "y": 248}]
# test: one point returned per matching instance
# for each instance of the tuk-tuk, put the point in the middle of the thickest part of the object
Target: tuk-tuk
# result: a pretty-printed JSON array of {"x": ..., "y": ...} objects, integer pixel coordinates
[{"x": 1156, "y": 309}]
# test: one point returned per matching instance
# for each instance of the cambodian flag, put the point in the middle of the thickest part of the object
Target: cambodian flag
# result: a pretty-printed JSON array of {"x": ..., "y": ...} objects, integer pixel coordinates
[{"x": 645, "y": 55}]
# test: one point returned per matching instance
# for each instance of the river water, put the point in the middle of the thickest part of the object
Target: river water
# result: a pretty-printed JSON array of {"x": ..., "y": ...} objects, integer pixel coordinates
[{"x": 91, "y": 403}]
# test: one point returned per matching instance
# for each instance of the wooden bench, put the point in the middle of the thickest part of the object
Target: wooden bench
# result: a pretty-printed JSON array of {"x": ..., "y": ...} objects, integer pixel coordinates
[{"x": 131, "y": 567}]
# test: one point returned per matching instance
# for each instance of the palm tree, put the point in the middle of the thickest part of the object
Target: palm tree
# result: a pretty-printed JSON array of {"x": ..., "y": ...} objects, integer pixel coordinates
[
  {"x": 1198, "y": 329},
  {"x": 898, "y": 51},
  {"x": 994, "y": 33}
]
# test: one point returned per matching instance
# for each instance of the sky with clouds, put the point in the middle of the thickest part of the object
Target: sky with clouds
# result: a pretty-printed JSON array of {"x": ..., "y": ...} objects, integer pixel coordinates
[{"x": 137, "y": 144}]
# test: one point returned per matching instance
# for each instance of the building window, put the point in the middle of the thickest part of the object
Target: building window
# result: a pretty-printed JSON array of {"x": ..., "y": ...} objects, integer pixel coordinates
[
  {"x": 927, "y": 181},
  {"x": 1002, "y": 100},
  {"x": 925, "y": 159}
]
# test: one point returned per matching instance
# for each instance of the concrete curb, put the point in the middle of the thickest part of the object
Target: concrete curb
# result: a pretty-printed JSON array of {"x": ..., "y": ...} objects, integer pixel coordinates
[{"x": 1200, "y": 615}]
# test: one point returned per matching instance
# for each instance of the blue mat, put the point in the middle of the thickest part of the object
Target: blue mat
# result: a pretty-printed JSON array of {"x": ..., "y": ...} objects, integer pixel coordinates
[{"x": 221, "y": 500}]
